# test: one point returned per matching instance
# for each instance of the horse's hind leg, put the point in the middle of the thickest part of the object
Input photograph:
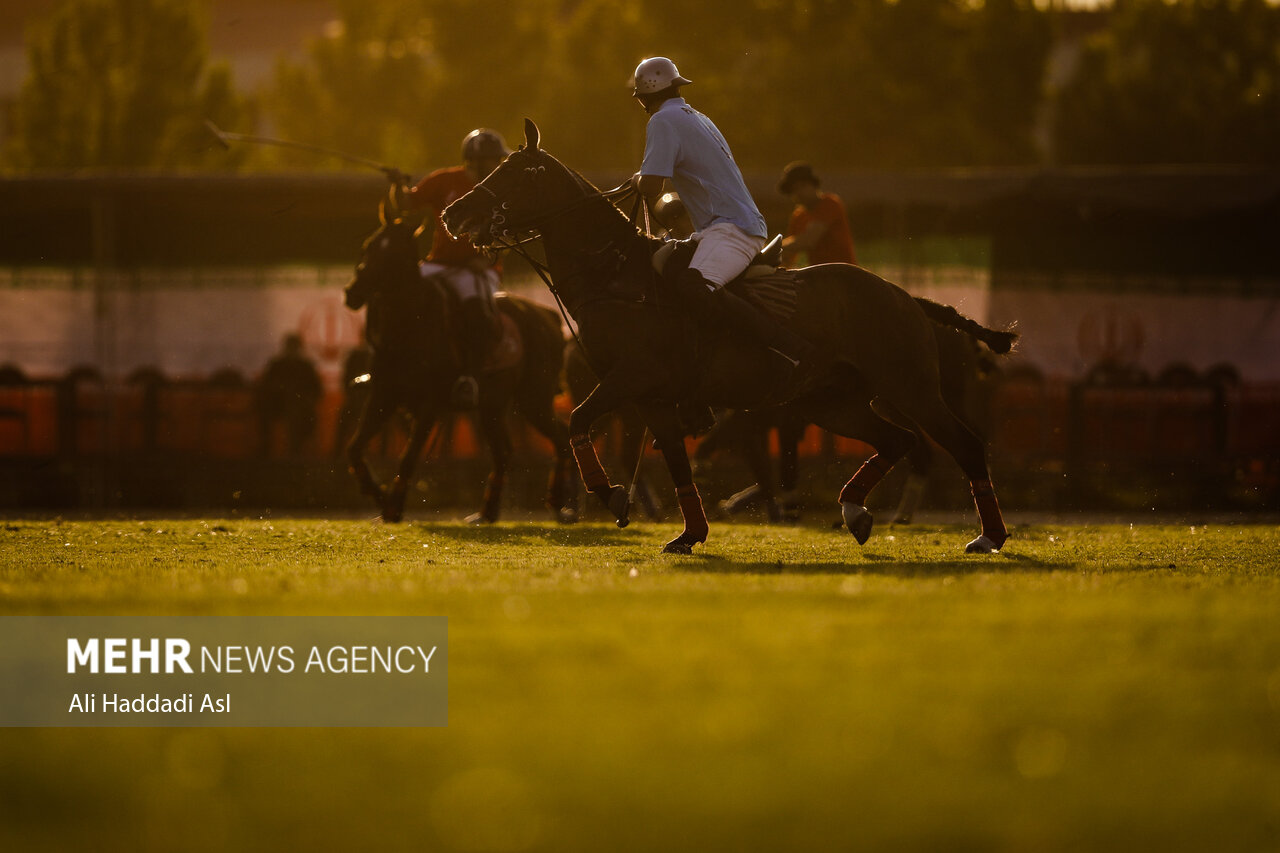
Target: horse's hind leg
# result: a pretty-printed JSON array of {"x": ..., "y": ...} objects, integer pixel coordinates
[
  {"x": 746, "y": 434},
  {"x": 920, "y": 461},
  {"x": 857, "y": 420},
  {"x": 949, "y": 431}
]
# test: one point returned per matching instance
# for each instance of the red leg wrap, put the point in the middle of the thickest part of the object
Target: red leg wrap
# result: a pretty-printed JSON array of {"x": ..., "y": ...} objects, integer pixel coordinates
[
  {"x": 984, "y": 498},
  {"x": 695, "y": 519},
  {"x": 593, "y": 475},
  {"x": 868, "y": 476}
]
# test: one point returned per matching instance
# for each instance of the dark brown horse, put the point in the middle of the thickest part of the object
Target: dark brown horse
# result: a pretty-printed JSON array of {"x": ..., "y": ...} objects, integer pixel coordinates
[
  {"x": 411, "y": 330},
  {"x": 877, "y": 378}
]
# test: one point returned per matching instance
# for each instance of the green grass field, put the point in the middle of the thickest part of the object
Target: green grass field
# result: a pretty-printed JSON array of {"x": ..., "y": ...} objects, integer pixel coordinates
[{"x": 1094, "y": 687}]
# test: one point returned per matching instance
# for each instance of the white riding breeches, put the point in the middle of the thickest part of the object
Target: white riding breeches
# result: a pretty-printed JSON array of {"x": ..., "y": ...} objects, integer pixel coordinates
[
  {"x": 465, "y": 283},
  {"x": 723, "y": 252}
]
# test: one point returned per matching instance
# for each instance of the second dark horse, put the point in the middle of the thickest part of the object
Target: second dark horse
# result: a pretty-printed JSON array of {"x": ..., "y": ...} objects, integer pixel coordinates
[{"x": 410, "y": 328}]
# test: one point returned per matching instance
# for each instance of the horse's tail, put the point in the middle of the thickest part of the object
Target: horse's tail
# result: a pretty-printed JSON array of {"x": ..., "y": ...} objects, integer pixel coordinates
[{"x": 998, "y": 341}]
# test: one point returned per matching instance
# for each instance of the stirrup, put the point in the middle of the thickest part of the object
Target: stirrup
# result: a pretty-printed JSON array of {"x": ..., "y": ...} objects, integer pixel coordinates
[{"x": 466, "y": 392}]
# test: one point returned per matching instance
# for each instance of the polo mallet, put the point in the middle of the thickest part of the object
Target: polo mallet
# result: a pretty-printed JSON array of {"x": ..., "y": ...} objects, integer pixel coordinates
[
  {"x": 635, "y": 475},
  {"x": 225, "y": 138}
]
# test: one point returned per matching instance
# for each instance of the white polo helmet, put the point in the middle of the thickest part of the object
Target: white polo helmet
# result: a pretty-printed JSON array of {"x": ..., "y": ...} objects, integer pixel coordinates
[{"x": 655, "y": 74}]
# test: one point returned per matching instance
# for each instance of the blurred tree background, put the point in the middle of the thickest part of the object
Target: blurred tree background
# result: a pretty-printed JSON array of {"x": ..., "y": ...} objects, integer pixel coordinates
[
  {"x": 876, "y": 84},
  {"x": 1190, "y": 82},
  {"x": 120, "y": 84}
]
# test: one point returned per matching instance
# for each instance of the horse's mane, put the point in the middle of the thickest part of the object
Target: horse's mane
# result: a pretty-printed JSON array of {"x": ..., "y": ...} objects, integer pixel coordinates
[{"x": 584, "y": 185}]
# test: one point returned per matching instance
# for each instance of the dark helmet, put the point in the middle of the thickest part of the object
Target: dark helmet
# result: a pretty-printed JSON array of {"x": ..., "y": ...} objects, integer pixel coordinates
[
  {"x": 484, "y": 144},
  {"x": 795, "y": 173}
]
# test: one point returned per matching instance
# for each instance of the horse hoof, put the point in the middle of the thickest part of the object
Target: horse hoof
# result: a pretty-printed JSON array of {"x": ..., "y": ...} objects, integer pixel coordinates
[
  {"x": 567, "y": 515},
  {"x": 682, "y": 544},
  {"x": 391, "y": 516},
  {"x": 858, "y": 520},
  {"x": 478, "y": 518},
  {"x": 981, "y": 545},
  {"x": 619, "y": 503}
]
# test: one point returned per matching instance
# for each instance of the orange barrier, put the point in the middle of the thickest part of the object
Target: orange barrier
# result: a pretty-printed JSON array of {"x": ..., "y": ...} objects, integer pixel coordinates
[
  {"x": 1254, "y": 423},
  {"x": 1029, "y": 421},
  {"x": 28, "y": 420},
  {"x": 1033, "y": 423}
]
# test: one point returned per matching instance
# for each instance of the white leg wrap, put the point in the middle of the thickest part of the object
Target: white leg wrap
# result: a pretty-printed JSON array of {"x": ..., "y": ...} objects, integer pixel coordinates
[
  {"x": 981, "y": 545},
  {"x": 857, "y": 519}
]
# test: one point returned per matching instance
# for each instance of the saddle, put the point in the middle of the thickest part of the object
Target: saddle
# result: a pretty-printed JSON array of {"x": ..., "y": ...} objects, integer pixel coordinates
[
  {"x": 508, "y": 350},
  {"x": 764, "y": 282},
  {"x": 501, "y": 344}
]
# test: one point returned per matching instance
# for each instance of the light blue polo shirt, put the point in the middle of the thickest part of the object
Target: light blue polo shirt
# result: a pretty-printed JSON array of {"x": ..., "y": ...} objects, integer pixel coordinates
[{"x": 683, "y": 145}]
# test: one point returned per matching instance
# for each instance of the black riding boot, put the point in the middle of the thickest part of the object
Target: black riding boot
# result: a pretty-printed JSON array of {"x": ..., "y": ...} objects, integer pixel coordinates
[{"x": 477, "y": 338}]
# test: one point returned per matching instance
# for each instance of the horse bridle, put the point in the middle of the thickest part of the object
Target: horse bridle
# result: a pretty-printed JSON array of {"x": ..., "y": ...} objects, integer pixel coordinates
[
  {"x": 510, "y": 240},
  {"x": 510, "y": 237}
]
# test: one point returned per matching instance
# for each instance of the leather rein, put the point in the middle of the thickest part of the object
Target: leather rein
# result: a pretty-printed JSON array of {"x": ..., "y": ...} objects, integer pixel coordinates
[{"x": 507, "y": 241}]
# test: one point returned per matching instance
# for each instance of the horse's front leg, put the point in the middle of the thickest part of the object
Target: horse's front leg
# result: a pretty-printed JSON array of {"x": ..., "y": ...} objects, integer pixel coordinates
[
  {"x": 373, "y": 417},
  {"x": 493, "y": 428},
  {"x": 616, "y": 389},
  {"x": 393, "y": 501},
  {"x": 664, "y": 421}
]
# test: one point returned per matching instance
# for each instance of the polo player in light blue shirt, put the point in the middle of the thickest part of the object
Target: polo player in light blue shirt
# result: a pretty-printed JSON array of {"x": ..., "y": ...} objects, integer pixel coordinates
[{"x": 684, "y": 146}]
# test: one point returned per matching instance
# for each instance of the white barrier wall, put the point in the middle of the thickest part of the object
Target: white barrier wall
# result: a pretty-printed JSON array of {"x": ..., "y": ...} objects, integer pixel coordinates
[
  {"x": 187, "y": 323},
  {"x": 190, "y": 323},
  {"x": 1069, "y": 326},
  {"x": 967, "y": 288}
]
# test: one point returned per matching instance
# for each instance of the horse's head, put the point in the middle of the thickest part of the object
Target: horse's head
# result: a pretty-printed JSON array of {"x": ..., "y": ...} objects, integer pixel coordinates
[
  {"x": 516, "y": 197},
  {"x": 390, "y": 254}
]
